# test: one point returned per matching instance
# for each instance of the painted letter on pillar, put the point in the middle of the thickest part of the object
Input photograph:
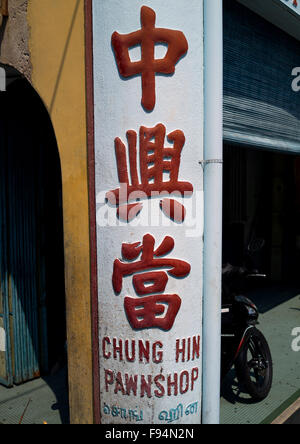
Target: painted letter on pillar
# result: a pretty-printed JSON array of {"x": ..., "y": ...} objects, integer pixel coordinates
[{"x": 148, "y": 146}]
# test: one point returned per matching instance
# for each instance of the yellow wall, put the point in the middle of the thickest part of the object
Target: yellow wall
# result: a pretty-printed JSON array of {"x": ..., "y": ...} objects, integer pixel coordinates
[{"x": 57, "y": 51}]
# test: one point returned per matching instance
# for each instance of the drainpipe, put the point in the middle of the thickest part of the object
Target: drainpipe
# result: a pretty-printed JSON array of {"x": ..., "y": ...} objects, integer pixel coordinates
[{"x": 213, "y": 190}]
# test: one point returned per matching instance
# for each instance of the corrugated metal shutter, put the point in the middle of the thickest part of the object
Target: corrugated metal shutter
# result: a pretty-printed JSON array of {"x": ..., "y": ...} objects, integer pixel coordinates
[
  {"x": 6, "y": 370},
  {"x": 23, "y": 322},
  {"x": 21, "y": 195},
  {"x": 260, "y": 107}
]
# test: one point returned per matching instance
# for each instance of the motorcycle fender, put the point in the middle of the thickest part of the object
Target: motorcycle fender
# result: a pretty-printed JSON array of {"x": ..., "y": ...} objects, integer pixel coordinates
[{"x": 243, "y": 341}]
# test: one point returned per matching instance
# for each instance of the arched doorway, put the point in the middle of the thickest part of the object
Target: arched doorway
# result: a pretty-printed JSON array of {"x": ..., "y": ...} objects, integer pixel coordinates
[{"x": 32, "y": 295}]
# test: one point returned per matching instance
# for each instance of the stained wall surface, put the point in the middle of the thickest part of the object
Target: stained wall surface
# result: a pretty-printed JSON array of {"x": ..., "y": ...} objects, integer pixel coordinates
[{"x": 45, "y": 41}]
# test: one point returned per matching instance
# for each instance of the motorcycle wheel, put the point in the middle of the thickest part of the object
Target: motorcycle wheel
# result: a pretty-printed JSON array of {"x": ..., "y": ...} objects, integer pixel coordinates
[{"x": 254, "y": 366}]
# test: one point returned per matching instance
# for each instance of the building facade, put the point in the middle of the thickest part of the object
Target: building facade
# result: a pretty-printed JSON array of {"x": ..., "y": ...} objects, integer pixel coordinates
[
  {"x": 45, "y": 43},
  {"x": 126, "y": 106}
]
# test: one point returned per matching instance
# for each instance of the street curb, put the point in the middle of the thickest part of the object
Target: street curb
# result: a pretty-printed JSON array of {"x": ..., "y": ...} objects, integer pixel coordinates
[{"x": 280, "y": 410}]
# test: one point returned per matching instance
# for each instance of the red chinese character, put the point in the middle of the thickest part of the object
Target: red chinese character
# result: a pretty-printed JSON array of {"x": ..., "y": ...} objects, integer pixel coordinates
[
  {"x": 155, "y": 311},
  {"x": 155, "y": 160},
  {"x": 143, "y": 313},
  {"x": 148, "y": 66}
]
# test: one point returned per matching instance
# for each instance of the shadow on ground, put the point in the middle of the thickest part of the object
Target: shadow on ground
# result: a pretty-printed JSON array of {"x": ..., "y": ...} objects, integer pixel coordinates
[
  {"x": 233, "y": 392},
  {"x": 59, "y": 386},
  {"x": 41, "y": 401},
  {"x": 268, "y": 297}
]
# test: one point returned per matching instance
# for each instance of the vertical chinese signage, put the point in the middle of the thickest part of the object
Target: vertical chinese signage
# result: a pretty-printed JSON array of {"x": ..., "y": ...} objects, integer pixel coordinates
[{"x": 148, "y": 83}]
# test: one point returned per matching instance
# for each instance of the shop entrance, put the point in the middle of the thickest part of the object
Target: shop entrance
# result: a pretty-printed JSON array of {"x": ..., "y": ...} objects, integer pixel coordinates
[
  {"x": 32, "y": 297},
  {"x": 262, "y": 201}
]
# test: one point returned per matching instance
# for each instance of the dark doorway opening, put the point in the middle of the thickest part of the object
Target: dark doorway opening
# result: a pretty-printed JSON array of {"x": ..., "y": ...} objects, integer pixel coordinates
[
  {"x": 261, "y": 193},
  {"x": 32, "y": 301},
  {"x": 262, "y": 200}
]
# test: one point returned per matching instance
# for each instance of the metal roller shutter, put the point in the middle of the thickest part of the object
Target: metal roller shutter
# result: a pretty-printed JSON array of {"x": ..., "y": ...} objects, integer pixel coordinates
[{"x": 260, "y": 107}]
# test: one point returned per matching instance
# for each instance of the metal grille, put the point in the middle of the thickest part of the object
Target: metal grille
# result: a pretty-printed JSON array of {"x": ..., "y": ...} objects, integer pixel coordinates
[{"x": 22, "y": 299}]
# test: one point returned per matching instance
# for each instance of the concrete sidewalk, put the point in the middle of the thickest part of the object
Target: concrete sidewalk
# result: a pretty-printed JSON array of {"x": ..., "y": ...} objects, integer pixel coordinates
[
  {"x": 280, "y": 314},
  {"x": 40, "y": 401}
]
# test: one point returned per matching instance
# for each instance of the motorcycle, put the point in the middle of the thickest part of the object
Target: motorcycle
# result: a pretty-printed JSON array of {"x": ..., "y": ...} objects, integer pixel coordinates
[{"x": 243, "y": 345}]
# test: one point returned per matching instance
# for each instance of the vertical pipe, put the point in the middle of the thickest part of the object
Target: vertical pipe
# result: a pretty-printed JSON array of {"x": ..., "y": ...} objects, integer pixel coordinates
[{"x": 213, "y": 159}]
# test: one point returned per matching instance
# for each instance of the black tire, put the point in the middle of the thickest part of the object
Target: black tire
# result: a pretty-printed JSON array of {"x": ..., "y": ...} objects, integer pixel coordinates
[{"x": 254, "y": 365}]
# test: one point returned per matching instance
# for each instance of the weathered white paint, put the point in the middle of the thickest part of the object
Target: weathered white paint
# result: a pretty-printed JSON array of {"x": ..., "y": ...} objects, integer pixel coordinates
[
  {"x": 293, "y": 5},
  {"x": 2, "y": 340},
  {"x": 179, "y": 105}
]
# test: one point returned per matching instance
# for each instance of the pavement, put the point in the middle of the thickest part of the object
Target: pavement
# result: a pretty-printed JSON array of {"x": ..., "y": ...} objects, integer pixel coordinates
[
  {"x": 42, "y": 401},
  {"x": 279, "y": 315}
]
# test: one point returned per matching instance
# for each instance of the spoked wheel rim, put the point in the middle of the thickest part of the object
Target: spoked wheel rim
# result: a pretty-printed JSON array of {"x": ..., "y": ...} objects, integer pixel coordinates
[{"x": 257, "y": 362}]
